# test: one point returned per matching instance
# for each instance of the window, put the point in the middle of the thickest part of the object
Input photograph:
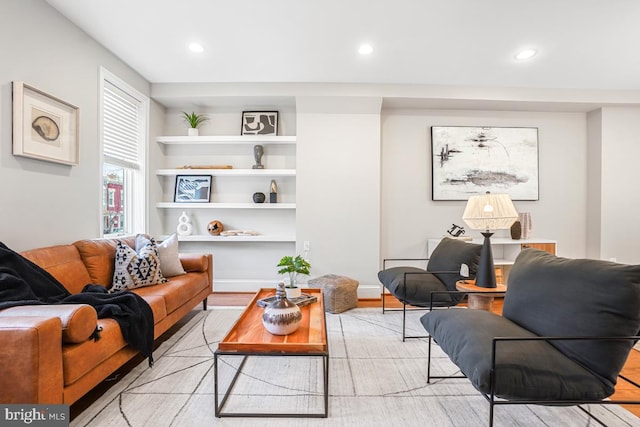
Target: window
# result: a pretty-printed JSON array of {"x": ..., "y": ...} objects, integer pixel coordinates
[{"x": 124, "y": 123}]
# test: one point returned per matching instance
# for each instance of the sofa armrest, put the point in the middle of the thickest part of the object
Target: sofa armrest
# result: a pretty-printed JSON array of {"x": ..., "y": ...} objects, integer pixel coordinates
[
  {"x": 79, "y": 321},
  {"x": 31, "y": 360},
  {"x": 195, "y": 262}
]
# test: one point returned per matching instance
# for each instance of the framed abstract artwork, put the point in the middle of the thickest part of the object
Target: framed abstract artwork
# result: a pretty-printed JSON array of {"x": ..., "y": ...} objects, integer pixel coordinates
[
  {"x": 259, "y": 123},
  {"x": 470, "y": 160},
  {"x": 192, "y": 189},
  {"x": 44, "y": 127}
]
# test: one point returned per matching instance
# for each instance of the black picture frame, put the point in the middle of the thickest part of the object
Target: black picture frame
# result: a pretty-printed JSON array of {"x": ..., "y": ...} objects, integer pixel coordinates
[
  {"x": 192, "y": 189},
  {"x": 259, "y": 123},
  {"x": 471, "y": 160}
]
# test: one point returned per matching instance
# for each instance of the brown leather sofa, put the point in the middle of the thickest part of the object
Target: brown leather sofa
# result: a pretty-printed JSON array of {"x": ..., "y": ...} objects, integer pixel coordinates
[{"x": 46, "y": 353}]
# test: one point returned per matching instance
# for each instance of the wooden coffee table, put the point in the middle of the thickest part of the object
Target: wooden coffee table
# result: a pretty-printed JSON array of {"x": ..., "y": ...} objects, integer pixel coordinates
[
  {"x": 480, "y": 298},
  {"x": 248, "y": 337}
]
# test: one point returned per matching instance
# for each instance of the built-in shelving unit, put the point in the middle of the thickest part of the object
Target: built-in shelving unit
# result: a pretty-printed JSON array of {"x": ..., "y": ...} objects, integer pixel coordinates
[{"x": 242, "y": 262}]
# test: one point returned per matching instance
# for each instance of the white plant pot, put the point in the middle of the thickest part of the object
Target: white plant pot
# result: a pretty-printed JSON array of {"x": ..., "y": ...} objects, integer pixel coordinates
[
  {"x": 293, "y": 292},
  {"x": 193, "y": 132}
]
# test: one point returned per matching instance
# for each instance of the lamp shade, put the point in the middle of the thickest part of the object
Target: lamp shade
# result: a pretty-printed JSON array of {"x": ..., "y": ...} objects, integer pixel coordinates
[{"x": 490, "y": 212}]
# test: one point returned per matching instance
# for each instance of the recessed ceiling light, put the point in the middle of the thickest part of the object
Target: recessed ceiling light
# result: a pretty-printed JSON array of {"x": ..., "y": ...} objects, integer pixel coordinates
[
  {"x": 196, "y": 47},
  {"x": 526, "y": 54},
  {"x": 365, "y": 49}
]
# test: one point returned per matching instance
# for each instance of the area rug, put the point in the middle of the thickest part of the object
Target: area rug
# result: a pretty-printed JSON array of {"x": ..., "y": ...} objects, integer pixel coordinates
[{"x": 374, "y": 380}]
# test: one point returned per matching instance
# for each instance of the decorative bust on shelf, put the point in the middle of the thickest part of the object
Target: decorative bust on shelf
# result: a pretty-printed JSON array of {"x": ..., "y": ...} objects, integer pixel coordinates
[{"x": 258, "y": 152}]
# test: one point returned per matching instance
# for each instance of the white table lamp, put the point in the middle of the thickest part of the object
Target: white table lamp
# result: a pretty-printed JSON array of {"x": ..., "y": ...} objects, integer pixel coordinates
[{"x": 489, "y": 212}]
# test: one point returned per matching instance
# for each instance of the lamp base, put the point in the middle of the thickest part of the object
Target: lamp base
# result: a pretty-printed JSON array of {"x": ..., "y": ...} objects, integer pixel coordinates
[{"x": 486, "y": 277}]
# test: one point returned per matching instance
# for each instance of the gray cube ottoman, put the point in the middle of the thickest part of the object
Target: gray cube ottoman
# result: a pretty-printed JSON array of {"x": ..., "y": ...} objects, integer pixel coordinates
[{"x": 340, "y": 293}]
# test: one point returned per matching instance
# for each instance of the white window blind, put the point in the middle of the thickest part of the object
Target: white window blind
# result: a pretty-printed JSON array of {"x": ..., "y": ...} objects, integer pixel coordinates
[{"x": 121, "y": 133}]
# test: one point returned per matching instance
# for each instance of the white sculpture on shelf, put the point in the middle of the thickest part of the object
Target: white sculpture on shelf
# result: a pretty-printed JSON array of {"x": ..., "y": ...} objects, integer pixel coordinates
[{"x": 184, "y": 225}]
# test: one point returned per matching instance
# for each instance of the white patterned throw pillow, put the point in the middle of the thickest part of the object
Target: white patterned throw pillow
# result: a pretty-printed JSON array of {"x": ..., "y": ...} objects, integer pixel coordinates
[{"x": 136, "y": 268}]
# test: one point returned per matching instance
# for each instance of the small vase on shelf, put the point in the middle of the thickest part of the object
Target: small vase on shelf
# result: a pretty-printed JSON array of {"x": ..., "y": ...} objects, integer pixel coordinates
[{"x": 281, "y": 317}]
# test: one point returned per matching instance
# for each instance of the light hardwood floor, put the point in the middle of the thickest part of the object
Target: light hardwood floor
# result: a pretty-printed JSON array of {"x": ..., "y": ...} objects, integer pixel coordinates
[{"x": 624, "y": 390}]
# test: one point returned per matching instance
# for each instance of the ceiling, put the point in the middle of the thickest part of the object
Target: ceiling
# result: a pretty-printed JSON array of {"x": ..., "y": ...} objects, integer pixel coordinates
[{"x": 582, "y": 44}]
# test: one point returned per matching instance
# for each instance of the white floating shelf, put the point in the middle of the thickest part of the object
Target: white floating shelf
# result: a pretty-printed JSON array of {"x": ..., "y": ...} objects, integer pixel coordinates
[
  {"x": 232, "y": 239},
  {"x": 173, "y": 205},
  {"x": 227, "y": 172},
  {"x": 231, "y": 139}
]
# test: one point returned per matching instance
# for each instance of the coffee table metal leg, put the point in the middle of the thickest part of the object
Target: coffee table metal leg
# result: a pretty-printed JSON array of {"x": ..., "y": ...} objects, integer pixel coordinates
[
  {"x": 229, "y": 389},
  {"x": 218, "y": 408},
  {"x": 326, "y": 386}
]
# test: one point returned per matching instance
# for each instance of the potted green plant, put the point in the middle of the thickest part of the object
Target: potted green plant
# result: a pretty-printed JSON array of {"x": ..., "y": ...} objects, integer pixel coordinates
[
  {"x": 194, "y": 120},
  {"x": 293, "y": 266}
]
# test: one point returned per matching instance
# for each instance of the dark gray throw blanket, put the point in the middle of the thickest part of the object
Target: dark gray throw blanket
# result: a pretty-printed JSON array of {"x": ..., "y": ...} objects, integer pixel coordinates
[{"x": 24, "y": 283}]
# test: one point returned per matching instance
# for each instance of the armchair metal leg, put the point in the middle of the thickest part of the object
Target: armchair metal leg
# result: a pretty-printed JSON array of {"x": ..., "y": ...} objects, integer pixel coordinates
[
  {"x": 429, "y": 361},
  {"x": 491, "y": 413},
  {"x": 404, "y": 324},
  {"x": 404, "y": 317}
]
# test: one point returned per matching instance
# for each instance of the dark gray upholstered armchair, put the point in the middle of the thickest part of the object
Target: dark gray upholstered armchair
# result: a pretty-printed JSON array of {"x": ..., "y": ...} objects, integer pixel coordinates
[
  {"x": 434, "y": 286},
  {"x": 565, "y": 333}
]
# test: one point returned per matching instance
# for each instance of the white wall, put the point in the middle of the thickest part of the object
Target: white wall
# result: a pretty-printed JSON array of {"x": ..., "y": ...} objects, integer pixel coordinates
[
  {"x": 594, "y": 183},
  {"x": 620, "y": 203},
  {"x": 338, "y": 187},
  {"x": 409, "y": 216},
  {"x": 43, "y": 203}
]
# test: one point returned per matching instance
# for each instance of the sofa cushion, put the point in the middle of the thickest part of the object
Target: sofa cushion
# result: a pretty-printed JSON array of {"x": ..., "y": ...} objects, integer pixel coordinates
[
  {"x": 98, "y": 256},
  {"x": 157, "y": 304},
  {"x": 550, "y": 295},
  {"x": 135, "y": 269},
  {"x": 449, "y": 256},
  {"x": 82, "y": 358},
  {"x": 178, "y": 290},
  {"x": 170, "y": 264},
  {"x": 524, "y": 369},
  {"x": 64, "y": 263}
]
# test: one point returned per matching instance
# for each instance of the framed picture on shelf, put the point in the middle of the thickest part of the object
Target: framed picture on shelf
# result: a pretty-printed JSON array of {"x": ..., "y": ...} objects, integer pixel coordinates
[
  {"x": 44, "y": 127},
  {"x": 468, "y": 160},
  {"x": 259, "y": 123},
  {"x": 192, "y": 189}
]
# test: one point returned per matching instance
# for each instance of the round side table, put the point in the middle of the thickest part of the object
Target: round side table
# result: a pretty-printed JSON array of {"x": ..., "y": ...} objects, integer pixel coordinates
[{"x": 480, "y": 301}]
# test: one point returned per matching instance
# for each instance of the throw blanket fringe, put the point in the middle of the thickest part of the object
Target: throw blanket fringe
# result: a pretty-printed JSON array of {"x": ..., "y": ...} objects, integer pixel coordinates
[{"x": 95, "y": 336}]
